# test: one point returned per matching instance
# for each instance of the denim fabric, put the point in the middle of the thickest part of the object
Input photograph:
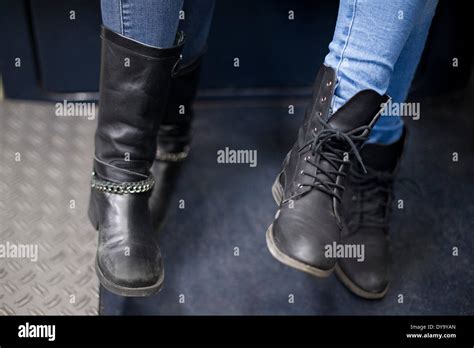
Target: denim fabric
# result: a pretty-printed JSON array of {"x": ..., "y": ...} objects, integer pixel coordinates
[
  {"x": 377, "y": 45},
  {"x": 155, "y": 22},
  {"x": 196, "y": 26},
  {"x": 151, "y": 22}
]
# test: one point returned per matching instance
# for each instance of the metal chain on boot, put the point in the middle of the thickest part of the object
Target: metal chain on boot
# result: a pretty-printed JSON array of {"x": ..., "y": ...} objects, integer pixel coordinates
[
  {"x": 172, "y": 156},
  {"x": 122, "y": 188}
]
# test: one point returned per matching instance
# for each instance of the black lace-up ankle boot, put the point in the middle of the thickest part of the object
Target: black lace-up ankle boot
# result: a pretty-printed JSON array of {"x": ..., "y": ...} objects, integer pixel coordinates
[
  {"x": 367, "y": 204},
  {"x": 135, "y": 80},
  {"x": 174, "y": 136},
  {"x": 309, "y": 188}
]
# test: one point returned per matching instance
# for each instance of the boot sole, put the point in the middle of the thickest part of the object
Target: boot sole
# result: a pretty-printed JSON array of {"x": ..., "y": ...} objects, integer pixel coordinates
[
  {"x": 277, "y": 192},
  {"x": 354, "y": 288},
  {"x": 119, "y": 289},
  {"x": 127, "y": 291}
]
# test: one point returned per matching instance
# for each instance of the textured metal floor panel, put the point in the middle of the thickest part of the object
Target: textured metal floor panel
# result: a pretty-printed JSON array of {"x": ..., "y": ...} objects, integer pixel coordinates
[{"x": 44, "y": 178}]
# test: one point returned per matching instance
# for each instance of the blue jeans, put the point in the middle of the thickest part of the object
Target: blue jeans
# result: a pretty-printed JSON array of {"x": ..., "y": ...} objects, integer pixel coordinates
[
  {"x": 377, "y": 45},
  {"x": 156, "y": 22}
]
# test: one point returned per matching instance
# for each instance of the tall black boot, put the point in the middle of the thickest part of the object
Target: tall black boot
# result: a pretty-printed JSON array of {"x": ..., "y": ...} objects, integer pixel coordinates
[
  {"x": 367, "y": 205},
  {"x": 174, "y": 136},
  {"x": 309, "y": 188},
  {"x": 135, "y": 80}
]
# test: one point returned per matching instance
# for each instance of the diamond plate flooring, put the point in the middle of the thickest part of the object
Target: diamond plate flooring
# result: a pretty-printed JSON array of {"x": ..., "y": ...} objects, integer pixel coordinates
[
  {"x": 45, "y": 171},
  {"x": 44, "y": 182}
]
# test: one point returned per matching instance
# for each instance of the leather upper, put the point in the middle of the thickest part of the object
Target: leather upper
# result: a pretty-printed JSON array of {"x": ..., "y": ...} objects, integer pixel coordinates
[
  {"x": 135, "y": 81},
  {"x": 308, "y": 218},
  {"x": 128, "y": 251},
  {"x": 373, "y": 274},
  {"x": 174, "y": 136}
]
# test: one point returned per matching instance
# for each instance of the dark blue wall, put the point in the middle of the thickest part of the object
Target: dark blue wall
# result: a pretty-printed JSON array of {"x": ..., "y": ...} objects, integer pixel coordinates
[{"x": 62, "y": 56}]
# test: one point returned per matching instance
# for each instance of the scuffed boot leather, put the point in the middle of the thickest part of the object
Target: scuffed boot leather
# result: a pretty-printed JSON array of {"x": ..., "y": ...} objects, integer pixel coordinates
[
  {"x": 309, "y": 188},
  {"x": 367, "y": 205},
  {"x": 135, "y": 79},
  {"x": 174, "y": 136}
]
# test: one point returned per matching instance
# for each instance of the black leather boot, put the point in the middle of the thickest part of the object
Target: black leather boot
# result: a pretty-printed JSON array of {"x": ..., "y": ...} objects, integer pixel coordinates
[
  {"x": 174, "y": 136},
  {"x": 135, "y": 81},
  {"x": 367, "y": 205},
  {"x": 309, "y": 188}
]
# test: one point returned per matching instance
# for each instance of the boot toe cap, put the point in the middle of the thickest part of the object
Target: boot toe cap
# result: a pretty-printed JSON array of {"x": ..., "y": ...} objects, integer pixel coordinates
[
  {"x": 372, "y": 274},
  {"x": 140, "y": 268},
  {"x": 304, "y": 239},
  {"x": 368, "y": 279}
]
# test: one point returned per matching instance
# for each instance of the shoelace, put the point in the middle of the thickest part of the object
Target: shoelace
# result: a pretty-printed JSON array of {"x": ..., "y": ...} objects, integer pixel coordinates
[
  {"x": 374, "y": 198},
  {"x": 323, "y": 144}
]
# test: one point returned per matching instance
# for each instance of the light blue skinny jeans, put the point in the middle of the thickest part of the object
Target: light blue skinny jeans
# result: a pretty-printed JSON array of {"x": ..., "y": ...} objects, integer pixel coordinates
[
  {"x": 377, "y": 44},
  {"x": 156, "y": 22}
]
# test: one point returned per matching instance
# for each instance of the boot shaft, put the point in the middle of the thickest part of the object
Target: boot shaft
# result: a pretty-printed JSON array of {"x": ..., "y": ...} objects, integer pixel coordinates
[
  {"x": 134, "y": 87},
  {"x": 174, "y": 133},
  {"x": 324, "y": 140}
]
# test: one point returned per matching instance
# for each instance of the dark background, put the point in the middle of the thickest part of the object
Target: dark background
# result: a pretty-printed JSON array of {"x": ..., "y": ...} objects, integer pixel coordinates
[{"x": 278, "y": 57}]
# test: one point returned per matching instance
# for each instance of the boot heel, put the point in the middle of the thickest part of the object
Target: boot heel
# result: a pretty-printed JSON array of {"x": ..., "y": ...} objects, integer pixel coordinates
[
  {"x": 92, "y": 212},
  {"x": 277, "y": 191}
]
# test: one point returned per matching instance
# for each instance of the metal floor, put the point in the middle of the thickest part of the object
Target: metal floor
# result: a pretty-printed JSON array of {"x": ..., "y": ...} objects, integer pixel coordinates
[
  {"x": 45, "y": 173},
  {"x": 44, "y": 200}
]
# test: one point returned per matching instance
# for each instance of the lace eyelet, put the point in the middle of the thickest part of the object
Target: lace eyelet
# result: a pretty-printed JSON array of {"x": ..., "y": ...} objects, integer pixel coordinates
[
  {"x": 300, "y": 186},
  {"x": 302, "y": 172},
  {"x": 315, "y": 129},
  {"x": 323, "y": 99},
  {"x": 329, "y": 83},
  {"x": 307, "y": 158},
  {"x": 320, "y": 113}
]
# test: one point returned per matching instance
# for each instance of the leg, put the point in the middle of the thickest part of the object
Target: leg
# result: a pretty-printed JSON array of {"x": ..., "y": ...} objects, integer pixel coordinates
[
  {"x": 151, "y": 22},
  {"x": 196, "y": 25},
  {"x": 389, "y": 129},
  {"x": 134, "y": 84},
  {"x": 367, "y": 43},
  {"x": 348, "y": 97},
  {"x": 174, "y": 134},
  {"x": 369, "y": 195}
]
